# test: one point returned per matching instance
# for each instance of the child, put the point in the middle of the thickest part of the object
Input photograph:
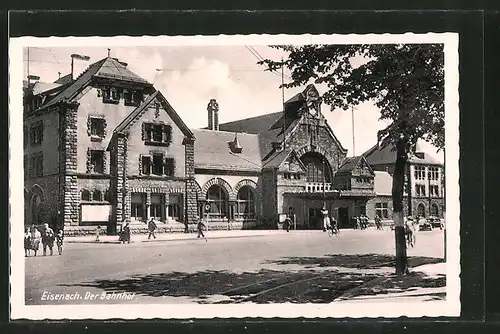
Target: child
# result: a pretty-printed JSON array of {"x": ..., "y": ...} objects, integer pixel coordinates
[
  {"x": 59, "y": 241},
  {"x": 27, "y": 242}
]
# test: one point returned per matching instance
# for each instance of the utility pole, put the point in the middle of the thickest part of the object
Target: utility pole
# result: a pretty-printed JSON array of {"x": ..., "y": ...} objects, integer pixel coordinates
[
  {"x": 28, "y": 63},
  {"x": 353, "y": 136},
  {"x": 283, "y": 103}
]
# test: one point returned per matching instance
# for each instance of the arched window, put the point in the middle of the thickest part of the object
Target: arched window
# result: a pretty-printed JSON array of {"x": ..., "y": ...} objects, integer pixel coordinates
[
  {"x": 86, "y": 195},
  {"x": 421, "y": 210},
  {"x": 217, "y": 197},
  {"x": 245, "y": 207},
  {"x": 317, "y": 167},
  {"x": 434, "y": 210},
  {"x": 107, "y": 197},
  {"x": 97, "y": 195}
]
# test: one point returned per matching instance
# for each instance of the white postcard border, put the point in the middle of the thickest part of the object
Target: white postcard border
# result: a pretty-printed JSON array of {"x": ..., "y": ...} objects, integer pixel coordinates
[{"x": 450, "y": 307}]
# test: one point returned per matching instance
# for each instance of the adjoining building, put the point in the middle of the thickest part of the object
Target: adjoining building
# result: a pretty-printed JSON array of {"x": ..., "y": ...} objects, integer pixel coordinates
[
  {"x": 423, "y": 188},
  {"x": 107, "y": 147}
]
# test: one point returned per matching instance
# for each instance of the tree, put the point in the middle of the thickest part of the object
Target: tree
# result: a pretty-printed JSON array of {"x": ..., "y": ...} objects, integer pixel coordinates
[{"x": 405, "y": 81}]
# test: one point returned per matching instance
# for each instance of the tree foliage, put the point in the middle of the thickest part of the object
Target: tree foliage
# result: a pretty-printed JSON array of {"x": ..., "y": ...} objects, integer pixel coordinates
[{"x": 405, "y": 81}]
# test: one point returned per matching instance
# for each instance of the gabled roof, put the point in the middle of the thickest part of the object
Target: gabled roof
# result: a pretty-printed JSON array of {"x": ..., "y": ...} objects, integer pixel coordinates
[
  {"x": 254, "y": 125},
  {"x": 124, "y": 125},
  {"x": 42, "y": 87},
  {"x": 212, "y": 151},
  {"x": 385, "y": 155},
  {"x": 350, "y": 163},
  {"x": 108, "y": 67},
  {"x": 277, "y": 159},
  {"x": 382, "y": 183}
]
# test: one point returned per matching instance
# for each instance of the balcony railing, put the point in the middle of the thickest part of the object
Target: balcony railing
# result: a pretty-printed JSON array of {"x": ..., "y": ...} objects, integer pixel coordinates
[{"x": 318, "y": 187}]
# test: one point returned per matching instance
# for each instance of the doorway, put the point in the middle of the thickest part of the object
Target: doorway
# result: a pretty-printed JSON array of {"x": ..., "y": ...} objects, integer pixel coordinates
[
  {"x": 343, "y": 217},
  {"x": 315, "y": 218}
]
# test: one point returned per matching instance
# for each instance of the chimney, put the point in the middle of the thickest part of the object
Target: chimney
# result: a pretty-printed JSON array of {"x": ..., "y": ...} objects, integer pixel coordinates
[
  {"x": 33, "y": 78},
  {"x": 213, "y": 115}
]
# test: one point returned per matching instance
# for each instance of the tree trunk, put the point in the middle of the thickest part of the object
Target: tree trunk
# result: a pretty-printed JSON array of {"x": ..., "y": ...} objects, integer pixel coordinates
[{"x": 397, "y": 203}]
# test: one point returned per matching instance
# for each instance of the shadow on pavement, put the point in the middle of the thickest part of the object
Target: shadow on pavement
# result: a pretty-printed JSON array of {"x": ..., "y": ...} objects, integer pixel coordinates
[
  {"x": 356, "y": 261},
  {"x": 276, "y": 286}
]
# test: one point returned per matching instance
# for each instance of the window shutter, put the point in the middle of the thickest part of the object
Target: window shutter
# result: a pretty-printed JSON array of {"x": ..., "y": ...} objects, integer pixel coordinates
[
  {"x": 140, "y": 164},
  {"x": 168, "y": 134}
]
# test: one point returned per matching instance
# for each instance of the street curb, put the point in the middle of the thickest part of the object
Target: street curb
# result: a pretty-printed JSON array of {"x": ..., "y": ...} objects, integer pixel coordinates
[{"x": 168, "y": 240}]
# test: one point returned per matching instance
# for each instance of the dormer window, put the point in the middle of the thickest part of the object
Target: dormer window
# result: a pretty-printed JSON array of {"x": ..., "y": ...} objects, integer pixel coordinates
[{"x": 235, "y": 145}]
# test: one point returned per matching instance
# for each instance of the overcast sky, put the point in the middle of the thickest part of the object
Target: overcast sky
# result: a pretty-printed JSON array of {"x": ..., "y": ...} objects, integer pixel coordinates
[{"x": 190, "y": 76}]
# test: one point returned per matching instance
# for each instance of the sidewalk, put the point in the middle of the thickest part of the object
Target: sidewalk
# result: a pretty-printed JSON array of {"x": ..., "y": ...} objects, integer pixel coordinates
[
  {"x": 424, "y": 283},
  {"x": 113, "y": 239}
]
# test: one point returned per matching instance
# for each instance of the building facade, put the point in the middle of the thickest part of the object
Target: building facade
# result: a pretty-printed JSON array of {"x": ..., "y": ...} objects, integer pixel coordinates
[
  {"x": 108, "y": 148},
  {"x": 424, "y": 184}
]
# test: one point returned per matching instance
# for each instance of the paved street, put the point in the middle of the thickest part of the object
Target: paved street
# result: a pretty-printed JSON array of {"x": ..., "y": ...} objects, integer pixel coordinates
[{"x": 298, "y": 267}]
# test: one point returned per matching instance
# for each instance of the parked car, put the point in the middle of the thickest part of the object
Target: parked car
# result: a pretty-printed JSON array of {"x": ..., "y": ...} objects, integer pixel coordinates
[
  {"x": 424, "y": 225},
  {"x": 436, "y": 222}
]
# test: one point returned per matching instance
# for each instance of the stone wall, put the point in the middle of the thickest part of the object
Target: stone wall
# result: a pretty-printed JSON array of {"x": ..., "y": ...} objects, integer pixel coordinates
[
  {"x": 269, "y": 196},
  {"x": 191, "y": 194}
]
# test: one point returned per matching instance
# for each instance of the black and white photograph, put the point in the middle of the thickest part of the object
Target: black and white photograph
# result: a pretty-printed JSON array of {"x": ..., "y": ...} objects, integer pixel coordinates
[{"x": 234, "y": 176}]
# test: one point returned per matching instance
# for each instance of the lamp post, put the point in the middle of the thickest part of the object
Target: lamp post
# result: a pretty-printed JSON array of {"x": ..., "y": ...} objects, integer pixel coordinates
[{"x": 324, "y": 195}]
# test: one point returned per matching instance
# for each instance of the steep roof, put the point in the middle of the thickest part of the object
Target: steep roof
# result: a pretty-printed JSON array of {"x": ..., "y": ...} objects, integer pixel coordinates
[
  {"x": 277, "y": 159},
  {"x": 108, "y": 67},
  {"x": 212, "y": 151},
  {"x": 254, "y": 125},
  {"x": 42, "y": 87},
  {"x": 127, "y": 121},
  {"x": 382, "y": 183}
]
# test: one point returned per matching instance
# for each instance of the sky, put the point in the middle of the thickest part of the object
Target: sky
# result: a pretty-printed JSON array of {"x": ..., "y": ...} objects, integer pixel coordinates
[{"x": 189, "y": 76}]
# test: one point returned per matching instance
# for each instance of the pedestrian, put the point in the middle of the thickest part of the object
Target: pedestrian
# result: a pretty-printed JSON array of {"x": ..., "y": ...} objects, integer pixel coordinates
[
  {"x": 288, "y": 223},
  {"x": 126, "y": 233},
  {"x": 97, "y": 232},
  {"x": 152, "y": 227},
  {"x": 200, "y": 228},
  {"x": 48, "y": 239},
  {"x": 326, "y": 220},
  {"x": 59, "y": 241},
  {"x": 35, "y": 239},
  {"x": 27, "y": 241}
]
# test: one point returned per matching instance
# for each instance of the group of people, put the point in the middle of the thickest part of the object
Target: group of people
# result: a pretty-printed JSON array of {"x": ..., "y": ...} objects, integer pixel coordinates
[
  {"x": 359, "y": 222},
  {"x": 33, "y": 236}
]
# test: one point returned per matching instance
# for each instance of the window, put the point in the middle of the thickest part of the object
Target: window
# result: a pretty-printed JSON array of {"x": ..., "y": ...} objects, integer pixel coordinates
[
  {"x": 97, "y": 127},
  {"x": 157, "y": 134},
  {"x": 433, "y": 173},
  {"x": 419, "y": 173},
  {"x": 434, "y": 210},
  {"x": 138, "y": 204},
  {"x": 421, "y": 210},
  {"x": 132, "y": 98},
  {"x": 434, "y": 191},
  {"x": 157, "y": 207},
  {"x": 86, "y": 196},
  {"x": 245, "y": 206},
  {"x": 382, "y": 210},
  {"x": 107, "y": 197},
  {"x": 96, "y": 162},
  {"x": 36, "y": 134},
  {"x": 217, "y": 197},
  {"x": 175, "y": 207},
  {"x": 110, "y": 95},
  {"x": 158, "y": 164},
  {"x": 318, "y": 169},
  {"x": 420, "y": 190},
  {"x": 97, "y": 196},
  {"x": 36, "y": 165},
  {"x": 169, "y": 167},
  {"x": 145, "y": 165}
]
